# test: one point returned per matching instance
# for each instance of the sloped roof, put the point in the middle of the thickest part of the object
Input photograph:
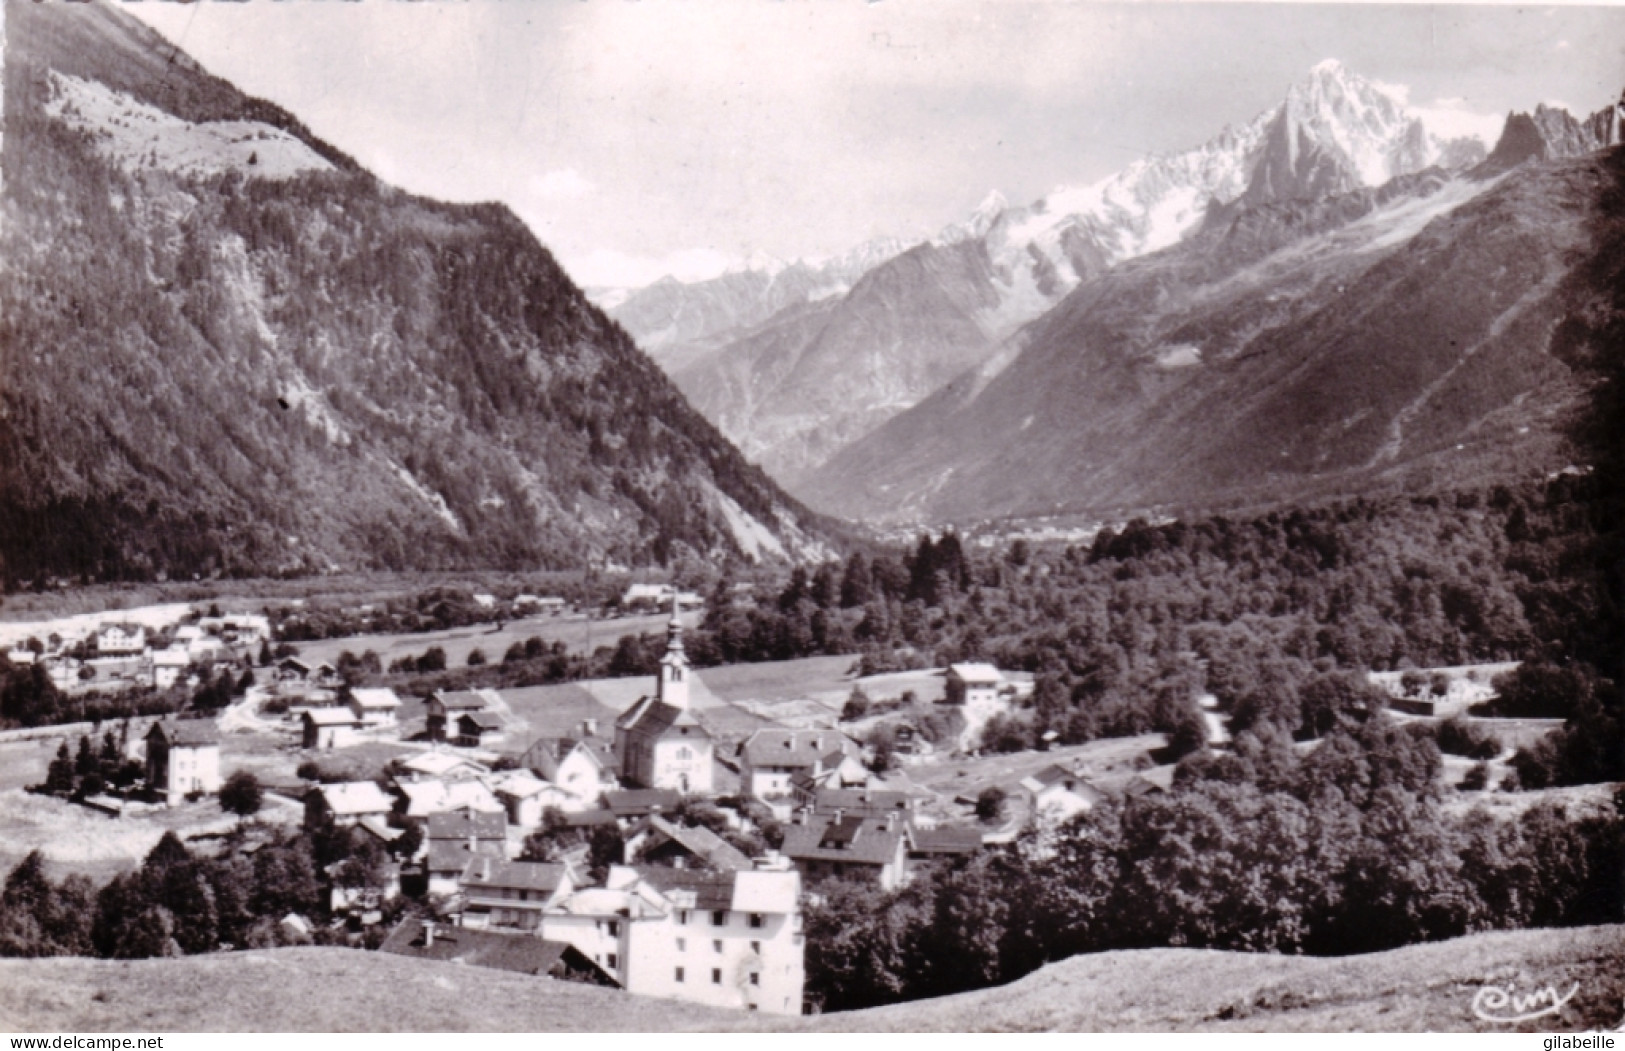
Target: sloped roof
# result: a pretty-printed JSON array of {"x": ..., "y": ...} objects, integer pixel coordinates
[
  {"x": 543, "y": 876},
  {"x": 853, "y": 839},
  {"x": 704, "y": 844},
  {"x": 635, "y": 802},
  {"x": 711, "y": 890},
  {"x": 187, "y": 733},
  {"x": 657, "y": 719},
  {"x": 464, "y": 700},
  {"x": 460, "y": 824},
  {"x": 453, "y": 855},
  {"x": 438, "y": 764},
  {"x": 977, "y": 672},
  {"x": 369, "y": 697},
  {"x": 949, "y": 839},
  {"x": 521, "y": 953},
  {"x": 356, "y": 797},
  {"x": 330, "y": 717},
  {"x": 865, "y": 801},
  {"x": 434, "y": 797},
  {"x": 545, "y": 754},
  {"x": 791, "y": 748},
  {"x": 767, "y": 891},
  {"x": 482, "y": 721},
  {"x": 522, "y": 784}
]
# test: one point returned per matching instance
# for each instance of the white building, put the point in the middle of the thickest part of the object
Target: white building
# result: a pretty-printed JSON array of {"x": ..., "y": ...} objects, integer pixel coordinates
[
  {"x": 121, "y": 640},
  {"x": 723, "y": 939},
  {"x": 973, "y": 683},
  {"x": 770, "y": 760},
  {"x": 168, "y": 666},
  {"x": 374, "y": 707},
  {"x": 658, "y": 741},
  {"x": 183, "y": 758}
]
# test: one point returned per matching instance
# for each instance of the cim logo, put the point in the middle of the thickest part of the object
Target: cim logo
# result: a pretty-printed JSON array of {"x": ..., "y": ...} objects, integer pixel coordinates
[{"x": 1505, "y": 1005}]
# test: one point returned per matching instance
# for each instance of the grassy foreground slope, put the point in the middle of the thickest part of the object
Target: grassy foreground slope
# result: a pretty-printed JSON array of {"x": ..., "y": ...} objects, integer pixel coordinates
[{"x": 1422, "y": 987}]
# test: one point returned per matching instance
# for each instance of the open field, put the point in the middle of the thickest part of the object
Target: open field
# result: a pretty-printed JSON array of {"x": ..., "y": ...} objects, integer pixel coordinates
[
  {"x": 1423, "y": 987},
  {"x": 1414, "y": 989},
  {"x": 580, "y": 634},
  {"x": 1107, "y": 762}
]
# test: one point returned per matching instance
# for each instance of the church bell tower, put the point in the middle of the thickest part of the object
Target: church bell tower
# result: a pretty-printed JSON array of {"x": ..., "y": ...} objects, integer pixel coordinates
[{"x": 674, "y": 671}]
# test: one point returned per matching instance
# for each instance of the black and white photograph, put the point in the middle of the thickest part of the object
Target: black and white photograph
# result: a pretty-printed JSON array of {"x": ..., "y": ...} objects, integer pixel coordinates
[{"x": 810, "y": 516}]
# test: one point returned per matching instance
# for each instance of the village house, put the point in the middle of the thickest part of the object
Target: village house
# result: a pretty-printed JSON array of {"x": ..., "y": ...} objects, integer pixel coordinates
[
  {"x": 861, "y": 802},
  {"x": 121, "y": 640},
  {"x": 770, "y": 761},
  {"x": 1059, "y": 795},
  {"x": 521, "y": 954},
  {"x": 183, "y": 759},
  {"x": 926, "y": 845},
  {"x": 168, "y": 665},
  {"x": 973, "y": 683},
  {"x": 445, "y": 706},
  {"x": 422, "y": 799},
  {"x": 374, "y": 706},
  {"x": 291, "y": 669},
  {"x": 582, "y": 766},
  {"x": 728, "y": 939},
  {"x": 657, "y": 841},
  {"x": 238, "y": 629},
  {"x": 511, "y": 894},
  {"x": 439, "y": 766},
  {"x": 658, "y": 742},
  {"x": 629, "y": 805},
  {"x": 327, "y": 728},
  {"x": 345, "y": 804},
  {"x": 843, "y": 846},
  {"x": 445, "y": 861},
  {"x": 527, "y": 798},
  {"x": 477, "y": 729}
]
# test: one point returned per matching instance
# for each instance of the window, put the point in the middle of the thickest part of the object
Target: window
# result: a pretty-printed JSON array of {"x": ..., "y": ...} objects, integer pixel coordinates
[
  {"x": 679, "y": 974},
  {"x": 682, "y": 917},
  {"x": 719, "y": 918},
  {"x": 684, "y": 753},
  {"x": 612, "y": 961},
  {"x": 716, "y": 976},
  {"x": 756, "y": 947},
  {"x": 756, "y": 920},
  {"x": 614, "y": 928},
  {"x": 755, "y": 979},
  {"x": 682, "y": 945},
  {"x": 716, "y": 945}
]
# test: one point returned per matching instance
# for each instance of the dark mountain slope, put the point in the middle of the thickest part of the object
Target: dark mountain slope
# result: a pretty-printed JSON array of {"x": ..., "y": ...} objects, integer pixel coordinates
[
  {"x": 1285, "y": 348},
  {"x": 215, "y": 364}
]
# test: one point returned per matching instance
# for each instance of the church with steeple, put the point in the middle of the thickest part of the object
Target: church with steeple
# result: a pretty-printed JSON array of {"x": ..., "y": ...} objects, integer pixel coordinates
[{"x": 658, "y": 741}]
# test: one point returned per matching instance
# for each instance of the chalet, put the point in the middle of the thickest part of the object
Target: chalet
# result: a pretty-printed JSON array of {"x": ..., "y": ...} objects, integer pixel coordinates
[
  {"x": 845, "y": 846},
  {"x": 445, "y": 861},
  {"x": 473, "y": 729},
  {"x": 346, "y": 804},
  {"x": 121, "y": 640},
  {"x": 730, "y": 939},
  {"x": 428, "y": 940},
  {"x": 860, "y": 802},
  {"x": 511, "y": 894},
  {"x": 374, "y": 706},
  {"x": 630, "y": 804},
  {"x": 465, "y": 825},
  {"x": 527, "y": 798},
  {"x": 183, "y": 759},
  {"x": 446, "y": 705},
  {"x": 327, "y": 728},
  {"x": 168, "y": 665},
  {"x": 583, "y": 767},
  {"x": 657, "y": 841},
  {"x": 422, "y": 799},
  {"x": 292, "y": 669},
  {"x": 1059, "y": 795},
  {"x": 658, "y": 741},
  {"x": 973, "y": 683},
  {"x": 439, "y": 766},
  {"x": 769, "y": 760},
  {"x": 945, "y": 843}
]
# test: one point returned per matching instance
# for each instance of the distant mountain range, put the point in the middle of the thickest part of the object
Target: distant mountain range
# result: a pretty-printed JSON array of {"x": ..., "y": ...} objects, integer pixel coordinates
[
  {"x": 1123, "y": 343},
  {"x": 228, "y": 349}
]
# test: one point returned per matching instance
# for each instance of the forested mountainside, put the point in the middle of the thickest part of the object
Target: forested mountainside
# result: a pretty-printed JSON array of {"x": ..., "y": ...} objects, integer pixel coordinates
[
  {"x": 917, "y": 319},
  {"x": 228, "y": 349},
  {"x": 1428, "y": 329}
]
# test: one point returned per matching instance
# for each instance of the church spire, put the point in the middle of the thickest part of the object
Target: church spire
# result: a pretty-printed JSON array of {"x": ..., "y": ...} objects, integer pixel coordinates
[{"x": 672, "y": 688}]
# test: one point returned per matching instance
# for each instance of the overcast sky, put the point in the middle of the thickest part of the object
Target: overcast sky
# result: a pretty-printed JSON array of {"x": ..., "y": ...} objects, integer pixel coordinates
[{"x": 638, "y": 138}]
